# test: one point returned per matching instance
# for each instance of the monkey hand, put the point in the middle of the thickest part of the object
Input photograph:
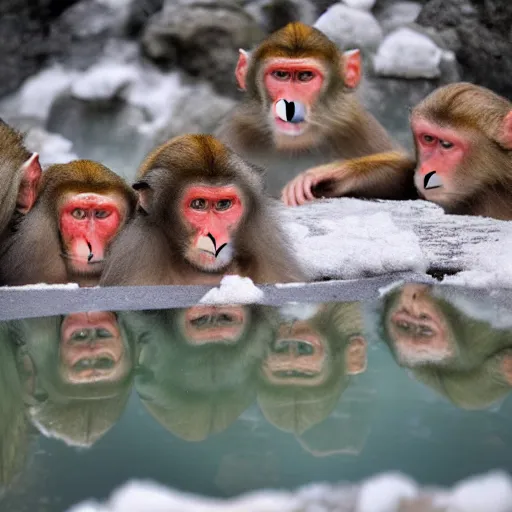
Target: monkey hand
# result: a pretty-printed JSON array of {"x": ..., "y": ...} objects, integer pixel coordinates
[{"x": 316, "y": 182}]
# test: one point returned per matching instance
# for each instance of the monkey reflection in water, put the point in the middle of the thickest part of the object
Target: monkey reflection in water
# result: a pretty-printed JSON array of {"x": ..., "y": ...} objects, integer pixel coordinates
[
  {"x": 77, "y": 373},
  {"x": 317, "y": 349},
  {"x": 433, "y": 331},
  {"x": 198, "y": 367}
]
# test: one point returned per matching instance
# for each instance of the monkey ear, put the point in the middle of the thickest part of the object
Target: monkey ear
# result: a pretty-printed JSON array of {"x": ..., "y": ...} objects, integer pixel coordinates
[
  {"x": 144, "y": 194},
  {"x": 351, "y": 68},
  {"x": 507, "y": 131},
  {"x": 241, "y": 68},
  {"x": 356, "y": 356},
  {"x": 29, "y": 186}
]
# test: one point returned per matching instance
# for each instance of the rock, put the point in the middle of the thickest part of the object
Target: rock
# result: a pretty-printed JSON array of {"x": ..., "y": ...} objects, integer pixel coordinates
[
  {"x": 275, "y": 14},
  {"x": 350, "y": 28},
  {"x": 397, "y": 15},
  {"x": 140, "y": 13},
  {"x": 408, "y": 54},
  {"x": 364, "y": 5},
  {"x": 27, "y": 38},
  {"x": 203, "y": 39},
  {"x": 480, "y": 35}
]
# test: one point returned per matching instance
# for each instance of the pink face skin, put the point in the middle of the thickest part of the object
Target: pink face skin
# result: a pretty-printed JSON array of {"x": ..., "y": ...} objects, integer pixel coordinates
[
  {"x": 440, "y": 149},
  {"x": 88, "y": 222},
  {"x": 293, "y": 80}
]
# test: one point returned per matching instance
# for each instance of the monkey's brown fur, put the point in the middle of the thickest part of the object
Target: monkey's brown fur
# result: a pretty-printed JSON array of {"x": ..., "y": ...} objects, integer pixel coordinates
[
  {"x": 346, "y": 130},
  {"x": 482, "y": 183},
  {"x": 150, "y": 250},
  {"x": 13, "y": 155},
  {"x": 34, "y": 253}
]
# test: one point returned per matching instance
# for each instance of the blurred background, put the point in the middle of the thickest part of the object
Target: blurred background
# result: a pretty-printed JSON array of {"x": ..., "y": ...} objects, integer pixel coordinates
[{"x": 109, "y": 79}]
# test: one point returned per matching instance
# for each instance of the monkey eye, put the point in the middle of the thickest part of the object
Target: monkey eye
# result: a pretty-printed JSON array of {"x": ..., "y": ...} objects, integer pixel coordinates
[
  {"x": 223, "y": 204},
  {"x": 305, "y": 76},
  {"x": 403, "y": 326},
  {"x": 198, "y": 204},
  {"x": 103, "y": 333},
  {"x": 425, "y": 331},
  {"x": 281, "y": 75},
  {"x": 80, "y": 335},
  {"x": 446, "y": 144},
  {"x": 101, "y": 214},
  {"x": 200, "y": 321},
  {"x": 428, "y": 139},
  {"x": 78, "y": 213}
]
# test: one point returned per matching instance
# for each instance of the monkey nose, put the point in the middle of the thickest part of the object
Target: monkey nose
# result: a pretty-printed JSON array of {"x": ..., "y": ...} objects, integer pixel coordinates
[
  {"x": 290, "y": 111},
  {"x": 432, "y": 180}
]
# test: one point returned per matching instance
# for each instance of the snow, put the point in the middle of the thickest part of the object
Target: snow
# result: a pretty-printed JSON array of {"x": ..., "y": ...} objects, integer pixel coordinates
[
  {"x": 104, "y": 81},
  {"x": 364, "y": 5},
  {"x": 383, "y": 493},
  {"x": 41, "y": 286},
  {"x": 355, "y": 245},
  {"x": 350, "y": 28},
  {"x": 52, "y": 147},
  {"x": 234, "y": 290},
  {"x": 408, "y": 54},
  {"x": 398, "y": 14}
]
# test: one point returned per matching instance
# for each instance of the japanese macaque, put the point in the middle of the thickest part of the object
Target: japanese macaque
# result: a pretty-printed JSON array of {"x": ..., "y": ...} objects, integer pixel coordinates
[
  {"x": 198, "y": 367},
  {"x": 203, "y": 214},
  {"x": 300, "y": 113},
  {"x": 77, "y": 371},
  {"x": 80, "y": 208},
  {"x": 20, "y": 173},
  {"x": 309, "y": 364},
  {"x": 463, "y": 138},
  {"x": 459, "y": 345}
]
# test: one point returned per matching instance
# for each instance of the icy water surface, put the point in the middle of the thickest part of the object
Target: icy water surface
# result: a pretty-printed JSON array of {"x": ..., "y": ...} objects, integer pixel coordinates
[{"x": 221, "y": 400}]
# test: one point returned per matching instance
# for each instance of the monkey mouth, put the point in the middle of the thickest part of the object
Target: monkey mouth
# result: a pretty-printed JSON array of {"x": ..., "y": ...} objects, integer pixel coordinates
[{"x": 432, "y": 180}]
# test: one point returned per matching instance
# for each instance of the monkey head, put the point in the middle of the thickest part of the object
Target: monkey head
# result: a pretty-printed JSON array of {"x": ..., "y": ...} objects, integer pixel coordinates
[
  {"x": 92, "y": 205},
  {"x": 201, "y": 194},
  {"x": 463, "y": 137},
  {"x": 292, "y": 76}
]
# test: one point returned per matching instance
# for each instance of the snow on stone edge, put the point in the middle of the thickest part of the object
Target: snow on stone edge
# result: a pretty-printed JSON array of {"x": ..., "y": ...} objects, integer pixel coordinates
[{"x": 234, "y": 290}]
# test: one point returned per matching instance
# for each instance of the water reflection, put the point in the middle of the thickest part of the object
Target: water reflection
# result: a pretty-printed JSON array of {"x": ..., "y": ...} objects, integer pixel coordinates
[{"x": 250, "y": 392}]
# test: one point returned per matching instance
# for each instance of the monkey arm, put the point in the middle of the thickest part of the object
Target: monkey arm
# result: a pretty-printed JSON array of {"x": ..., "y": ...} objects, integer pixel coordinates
[{"x": 387, "y": 175}]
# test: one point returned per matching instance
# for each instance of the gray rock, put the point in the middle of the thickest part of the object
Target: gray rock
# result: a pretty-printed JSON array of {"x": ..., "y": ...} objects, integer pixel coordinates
[
  {"x": 480, "y": 34},
  {"x": 398, "y": 14},
  {"x": 203, "y": 39}
]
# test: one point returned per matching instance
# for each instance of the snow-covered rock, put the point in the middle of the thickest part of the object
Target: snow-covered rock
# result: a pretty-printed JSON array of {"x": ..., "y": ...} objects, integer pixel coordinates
[
  {"x": 104, "y": 81},
  {"x": 350, "y": 28},
  {"x": 234, "y": 290},
  {"x": 364, "y": 5},
  {"x": 408, "y": 54},
  {"x": 398, "y": 14},
  {"x": 52, "y": 147}
]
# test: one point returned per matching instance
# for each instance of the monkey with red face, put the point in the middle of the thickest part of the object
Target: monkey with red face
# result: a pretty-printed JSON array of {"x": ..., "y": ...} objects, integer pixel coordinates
[
  {"x": 463, "y": 138},
  {"x": 202, "y": 214},
  {"x": 64, "y": 237},
  {"x": 300, "y": 113}
]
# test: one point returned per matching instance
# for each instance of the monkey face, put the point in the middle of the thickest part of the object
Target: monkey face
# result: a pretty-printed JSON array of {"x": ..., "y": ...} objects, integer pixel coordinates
[
  {"x": 440, "y": 152},
  {"x": 212, "y": 215},
  {"x": 88, "y": 222},
  {"x": 292, "y": 86}
]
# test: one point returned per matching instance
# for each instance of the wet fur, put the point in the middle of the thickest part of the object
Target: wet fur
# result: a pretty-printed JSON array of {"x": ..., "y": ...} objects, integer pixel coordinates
[{"x": 150, "y": 250}]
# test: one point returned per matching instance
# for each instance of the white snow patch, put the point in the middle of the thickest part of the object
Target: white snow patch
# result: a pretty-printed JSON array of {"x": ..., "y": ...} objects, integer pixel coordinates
[
  {"x": 39, "y": 92},
  {"x": 384, "y": 493},
  {"x": 363, "y": 5},
  {"x": 349, "y": 28},
  {"x": 480, "y": 494},
  {"x": 298, "y": 311},
  {"x": 234, "y": 290},
  {"x": 390, "y": 287},
  {"x": 357, "y": 245},
  {"x": 104, "y": 81},
  {"x": 397, "y": 15},
  {"x": 408, "y": 54},
  {"x": 42, "y": 286},
  {"x": 52, "y": 147}
]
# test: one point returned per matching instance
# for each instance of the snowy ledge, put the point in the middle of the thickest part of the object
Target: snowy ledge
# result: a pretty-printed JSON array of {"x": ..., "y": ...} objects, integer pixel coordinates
[{"x": 385, "y": 493}]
